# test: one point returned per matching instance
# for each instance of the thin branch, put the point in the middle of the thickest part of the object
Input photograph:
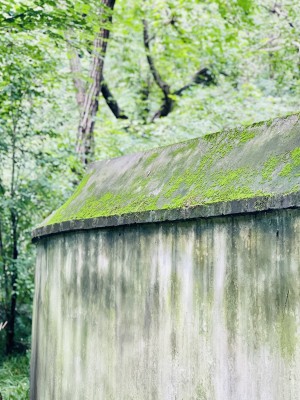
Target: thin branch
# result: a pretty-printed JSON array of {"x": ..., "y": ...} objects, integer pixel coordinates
[
  {"x": 280, "y": 13},
  {"x": 12, "y": 18},
  {"x": 111, "y": 101},
  {"x": 156, "y": 75},
  {"x": 168, "y": 102},
  {"x": 271, "y": 49},
  {"x": 268, "y": 41},
  {"x": 276, "y": 10},
  {"x": 75, "y": 66},
  {"x": 202, "y": 77}
]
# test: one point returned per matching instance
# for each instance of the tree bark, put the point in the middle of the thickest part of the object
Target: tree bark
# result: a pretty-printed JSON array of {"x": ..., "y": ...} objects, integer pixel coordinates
[
  {"x": 78, "y": 83},
  {"x": 10, "y": 336},
  {"x": 85, "y": 134},
  {"x": 3, "y": 261},
  {"x": 111, "y": 101},
  {"x": 167, "y": 104}
]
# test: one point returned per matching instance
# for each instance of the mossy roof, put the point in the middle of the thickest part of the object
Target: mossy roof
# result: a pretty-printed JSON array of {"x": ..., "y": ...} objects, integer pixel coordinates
[{"x": 260, "y": 160}]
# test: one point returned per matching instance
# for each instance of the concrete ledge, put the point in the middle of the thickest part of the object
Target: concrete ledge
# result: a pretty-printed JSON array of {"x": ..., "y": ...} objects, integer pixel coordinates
[{"x": 253, "y": 205}]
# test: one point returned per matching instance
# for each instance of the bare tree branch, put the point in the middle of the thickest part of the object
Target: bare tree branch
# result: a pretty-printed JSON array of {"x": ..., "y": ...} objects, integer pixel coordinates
[
  {"x": 158, "y": 79},
  {"x": 16, "y": 16},
  {"x": 111, "y": 101},
  {"x": 276, "y": 9},
  {"x": 202, "y": 77},
  {"x": 167, "y": 105}
]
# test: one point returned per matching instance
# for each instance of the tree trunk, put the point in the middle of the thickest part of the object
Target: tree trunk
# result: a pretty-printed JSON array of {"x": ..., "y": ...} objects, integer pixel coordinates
[
  {"x": 5, "y": 289},
  {"x": 85, "y": 134},
  {"x": 13, "y": 298},
  {"x": 10, "y": 335}
]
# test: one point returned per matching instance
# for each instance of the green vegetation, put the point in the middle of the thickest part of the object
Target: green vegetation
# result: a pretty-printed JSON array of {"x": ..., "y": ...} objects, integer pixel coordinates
[
  {"x": 14, "y": 382},
  {"x": 293, "y": 163},
  {"x": 171, "y": 71},
  {"x": 58, "y": 215},
  {"x": 269, "y": 167}
]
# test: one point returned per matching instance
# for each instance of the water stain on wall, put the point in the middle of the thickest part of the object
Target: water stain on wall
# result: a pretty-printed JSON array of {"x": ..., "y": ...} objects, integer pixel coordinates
[{"x": 204, "y": 309}]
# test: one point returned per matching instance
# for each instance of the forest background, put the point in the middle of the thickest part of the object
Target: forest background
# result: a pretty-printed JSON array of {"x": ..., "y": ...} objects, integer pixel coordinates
[{"x": 84, "y": 80}]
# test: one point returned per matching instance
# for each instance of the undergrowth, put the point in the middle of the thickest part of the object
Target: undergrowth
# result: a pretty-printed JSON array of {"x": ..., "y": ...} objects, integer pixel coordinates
[{"x": 14, "y": 378}]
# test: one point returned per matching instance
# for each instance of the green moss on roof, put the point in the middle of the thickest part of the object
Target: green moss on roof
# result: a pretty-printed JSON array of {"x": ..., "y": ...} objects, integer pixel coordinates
[
  {"x": 260, "y": 160},
  {"x": 59, "y": 214},
  {"x": 292, "y": 164}
]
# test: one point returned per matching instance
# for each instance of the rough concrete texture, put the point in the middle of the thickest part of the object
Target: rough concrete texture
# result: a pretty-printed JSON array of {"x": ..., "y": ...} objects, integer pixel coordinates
[
  {"x": 262, "y": 160},
  {"x": 253, "y": 205},
  {"x": 203, "y": 309}
]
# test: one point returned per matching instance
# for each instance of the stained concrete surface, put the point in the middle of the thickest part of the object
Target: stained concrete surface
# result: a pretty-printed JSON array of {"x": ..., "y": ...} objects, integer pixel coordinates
[{"x": 204, "y": 309}]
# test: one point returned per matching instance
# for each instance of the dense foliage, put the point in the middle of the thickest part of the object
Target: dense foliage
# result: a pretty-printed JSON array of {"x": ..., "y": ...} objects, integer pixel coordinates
[
  {"x": 250, "y": 47},
  {"x": 35, "y": 154},
  {"x": 172, "y": 70},
  {"x": 14, "y": 382}
]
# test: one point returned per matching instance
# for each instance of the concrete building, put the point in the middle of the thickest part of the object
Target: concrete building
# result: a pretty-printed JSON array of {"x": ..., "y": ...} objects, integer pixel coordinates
[{"x": 175, "y": 274}]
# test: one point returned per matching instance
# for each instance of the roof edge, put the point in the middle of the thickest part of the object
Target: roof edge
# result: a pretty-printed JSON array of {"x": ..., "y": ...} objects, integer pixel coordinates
[{"x": 235, "y": 207}]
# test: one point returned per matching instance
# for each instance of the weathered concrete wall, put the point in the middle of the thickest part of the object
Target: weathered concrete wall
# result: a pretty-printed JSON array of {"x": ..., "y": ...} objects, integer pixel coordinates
[{"x": 201, "y": 309}]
